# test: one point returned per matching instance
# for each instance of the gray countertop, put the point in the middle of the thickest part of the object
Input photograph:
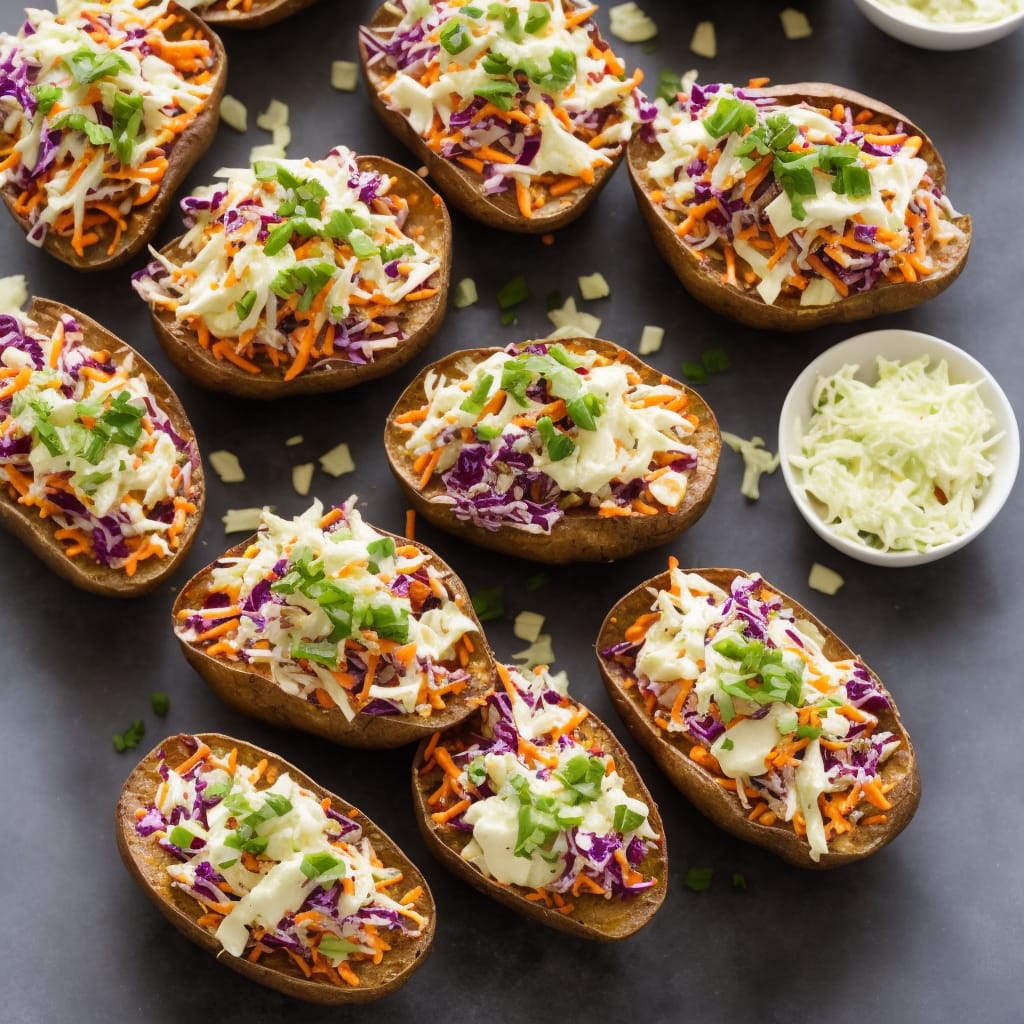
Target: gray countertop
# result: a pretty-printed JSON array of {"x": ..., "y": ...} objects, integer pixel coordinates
[{"x": 930, "y": 928}]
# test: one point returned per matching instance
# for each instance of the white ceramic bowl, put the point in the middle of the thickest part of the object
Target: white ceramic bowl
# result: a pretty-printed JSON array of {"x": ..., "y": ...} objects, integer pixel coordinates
[
  {"x": 918, "y": 32},
  {"x": 902, "y": 346}
]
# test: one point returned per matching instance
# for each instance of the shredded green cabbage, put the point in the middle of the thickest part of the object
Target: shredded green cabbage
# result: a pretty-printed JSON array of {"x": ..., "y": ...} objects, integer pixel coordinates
[{"x": 898, "y": 465}]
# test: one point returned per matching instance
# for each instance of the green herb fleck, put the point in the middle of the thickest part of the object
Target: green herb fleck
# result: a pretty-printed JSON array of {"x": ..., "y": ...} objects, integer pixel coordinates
[
  {"x": 698, "y": 879},
  {"x": 489, "y": 604}
]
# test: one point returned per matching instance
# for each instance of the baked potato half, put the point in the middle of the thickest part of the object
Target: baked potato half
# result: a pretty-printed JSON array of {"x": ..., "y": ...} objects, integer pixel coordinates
[
  {"x": 275, "y": 343},
  {"x": 487, "y": 111},
  {"x": 249, "y": 14},
  {"x": 75, "y": 512},
  {"x": 499, "y": 476},
  {"x": 525, "y": 820},
  {"x": 801, "y": 205},
  {"x": 294, "y": 647},
  {"x": 126, "y": 157},
  {"x": 204, "y": 891},
  {"x": 788, "y": 682}
]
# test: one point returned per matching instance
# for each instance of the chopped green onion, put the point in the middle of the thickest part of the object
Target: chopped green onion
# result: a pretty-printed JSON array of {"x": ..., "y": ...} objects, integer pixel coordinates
[
  {"x": 726, "y": 744},
  {"x": 278, "y": 238},
  {"x": 537, "y": 580},
  {"x": 739, "y": 880},
  {"x": 626, "y": 819},
  {"x": 498, "y": 92},
  {"x": 695, "y": 372},
  {"x": 86, "y": 66},
  {"x": 537, "y": 17},
  {"x": 716, "y": 360},
  {"x": 559, "y": 445},
  {"x": 513, "y": 292},
  {"x": 474, "y": 403},
  {"x": 316, "y": 865},
  {"x": 455, "y": 37},
  {"x": 808, "y": 732},
  {"x": 730, "y": 115},
  {"x": 161, "y": 703},
  {"x": 668, "y": 85},
  {"x": 130, "y": 738},
  {"x": 181, "y": 837},
  {"x": 488, "y": 604},
  {"x": 46, "y": 97},
  {"x": 698, "y": 879},
  {"x": 127, "y": 122},
  {"x": 243, "y": 307}
]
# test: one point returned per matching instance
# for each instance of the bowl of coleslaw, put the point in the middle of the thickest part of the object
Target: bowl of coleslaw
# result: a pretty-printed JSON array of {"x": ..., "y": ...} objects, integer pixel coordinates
[
  {"x": 897, "y": 447},
  {"x": 944, "y": 24}
]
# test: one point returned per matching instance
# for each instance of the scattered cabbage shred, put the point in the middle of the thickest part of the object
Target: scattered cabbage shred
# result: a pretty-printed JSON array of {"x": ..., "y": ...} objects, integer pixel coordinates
[{"x": 898, "y": 465}]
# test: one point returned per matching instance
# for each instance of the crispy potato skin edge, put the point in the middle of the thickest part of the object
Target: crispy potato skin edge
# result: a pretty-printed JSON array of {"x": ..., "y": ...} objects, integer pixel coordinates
[
  {"x": 584, "y": 537},
  {"x": 705, "y": 284},
  {"x": 594, "y": 918},
  {"x": 698, "y": 785},
  {"x": 37, "y": 534},
  {"x": 146, "y": 863},
  {"x": 268, "y": 13}
]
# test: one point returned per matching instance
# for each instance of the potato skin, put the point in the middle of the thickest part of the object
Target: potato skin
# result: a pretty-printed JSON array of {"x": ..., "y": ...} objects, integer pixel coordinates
[
  {"x": 147, "y": 864},
  {"x": 145, "y": 221},
  {"x": 460, "y": 186},
  {"x": 252, "y": 693},
  {"x": 263, "y": 13},
  {"x": 37, "y": 533},
  {"x": 786, "y": 314},
  {"x": 420, "y": 320},
  {"x": 594, "y": 917},
  {"x": 699, "y": 786},
  {"x": 580, "y": 535}
]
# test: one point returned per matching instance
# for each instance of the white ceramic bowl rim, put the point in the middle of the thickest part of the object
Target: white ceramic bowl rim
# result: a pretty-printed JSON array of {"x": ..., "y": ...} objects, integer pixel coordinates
[
  {"x": 965, "y": 29},
  {"x": 895, "y": 343}
]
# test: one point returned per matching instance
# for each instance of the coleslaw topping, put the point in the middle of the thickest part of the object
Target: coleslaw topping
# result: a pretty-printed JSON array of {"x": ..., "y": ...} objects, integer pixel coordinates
[
  {"x": 546, "y": 805},
  {"x": 84, "y": 441},
  {"x": 275, "y": 868},
  {"x": 794, "y": 734},
  {"x": 294, "y": 263},
  {"x": 335, "y": 612},
  {"x": 93, "y": 98},
  {"x": 536, "y": 430},
  {"x": 524, "y": 94},
  {"x": 794, "y": 201}
]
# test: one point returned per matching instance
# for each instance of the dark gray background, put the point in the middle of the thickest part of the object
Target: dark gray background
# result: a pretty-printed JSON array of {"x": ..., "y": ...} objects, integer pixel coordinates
[{"x": 929, "y": 929}]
